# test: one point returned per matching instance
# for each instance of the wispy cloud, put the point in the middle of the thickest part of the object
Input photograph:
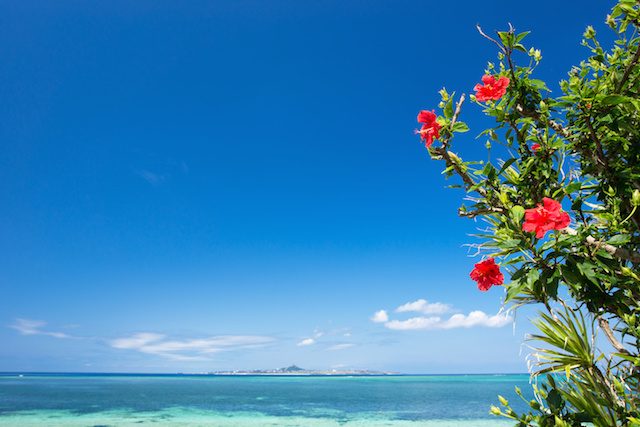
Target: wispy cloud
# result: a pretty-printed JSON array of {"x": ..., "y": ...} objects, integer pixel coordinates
[
  {"x": 159, "y": 171},
  {"x": 187, "y": 349},
  {"x": 432, "y": 320},
  {"x": 151, "y": 177},
  {"x": 35, "y": 327},
  {"x": 341, "y": 346},
  {"x": 380, "y": 316},
  {"x": 425, "y": 307}
]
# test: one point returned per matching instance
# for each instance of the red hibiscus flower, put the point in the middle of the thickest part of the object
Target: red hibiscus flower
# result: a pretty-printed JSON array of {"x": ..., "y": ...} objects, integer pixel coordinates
[
  {"x": 492, "y": 90},
  {"x": 535, "y": 147},
  {"x": 487, "y": 273},
  {"x": 546, "y": 216},
  {"x": 430, "y": 128}
]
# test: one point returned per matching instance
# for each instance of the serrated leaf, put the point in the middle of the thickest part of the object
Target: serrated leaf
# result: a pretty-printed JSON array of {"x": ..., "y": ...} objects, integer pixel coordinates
[
  {"x": 613, "y": 99},
  {"x": 573, "y": 187},
  {"x": 517, "y": 213},
  {"x": 506, "y": 165},
  {"x": 460, "y": 127},
  {"x": 539, "y": 84},
  {"x": 448, "y": 109},
  {"x": 619, "y": 239}
]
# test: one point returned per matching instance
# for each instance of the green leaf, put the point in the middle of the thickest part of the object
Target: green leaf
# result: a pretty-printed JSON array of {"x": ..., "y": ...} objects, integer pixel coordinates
[
  {"x": 552, "y": 288},
  {"x": 617, "y": 99},
  {"x": 448, "y": 109},
  {"x": 460, "y": 127},
  {"x": 554, "y": 399},
  {"x": 587, "y": 269},
  {"x": 521, "y": 36},
  {"x": 532, "y": 277},
  {"x": 539, "y": 84},
  {"x": 573, "y": 187},
  {"x": 517, "y": 213},
  {"x": 505, "y": 38},
  {"x": 619, "y": 239},
  {"x": 570, "y": 275},
  {"x": 506, "y": 165}
]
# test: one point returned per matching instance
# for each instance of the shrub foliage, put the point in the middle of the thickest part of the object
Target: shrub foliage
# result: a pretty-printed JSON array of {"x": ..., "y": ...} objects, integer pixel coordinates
[{"x": 578, "y": 154}]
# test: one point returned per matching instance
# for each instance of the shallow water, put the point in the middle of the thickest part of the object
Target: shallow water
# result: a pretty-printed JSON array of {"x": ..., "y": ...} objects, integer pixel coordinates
[{"x": 398, "y": 401}]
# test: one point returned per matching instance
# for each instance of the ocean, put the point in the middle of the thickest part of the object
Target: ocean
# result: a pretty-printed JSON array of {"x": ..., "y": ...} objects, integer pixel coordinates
[{"x": 252, "y": 401}]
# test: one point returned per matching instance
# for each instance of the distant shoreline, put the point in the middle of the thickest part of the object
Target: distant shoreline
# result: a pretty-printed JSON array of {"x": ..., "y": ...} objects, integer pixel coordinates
[{"x": 196, "y": 374}]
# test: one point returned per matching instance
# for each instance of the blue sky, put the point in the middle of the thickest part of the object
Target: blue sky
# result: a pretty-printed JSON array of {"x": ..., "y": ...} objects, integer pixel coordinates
[{"x": 201, "y": 185}]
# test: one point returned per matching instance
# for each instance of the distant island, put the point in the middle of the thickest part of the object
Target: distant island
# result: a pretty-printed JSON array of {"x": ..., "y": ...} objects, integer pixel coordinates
[{"x": 296, "y": 370}]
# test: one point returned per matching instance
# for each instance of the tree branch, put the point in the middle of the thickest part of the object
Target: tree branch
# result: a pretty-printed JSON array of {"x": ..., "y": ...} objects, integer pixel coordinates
[
  {"x": 483, "y": 211},
  {"x": 604, "y": 325},
  {"x": 619, "y": 253},
  {"x": 557, "y": 127},
  {"x": 628, "y": 70},
  {"x": 454, "y": 119},
  {"x": 490, "y": 39},
  {"x": 450, "y": 159},
  {"x": 599, "y": 151}
]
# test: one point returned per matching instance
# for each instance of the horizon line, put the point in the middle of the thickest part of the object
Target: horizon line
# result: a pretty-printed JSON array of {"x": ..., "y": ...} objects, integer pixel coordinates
[{"x": 212, "y": 373}]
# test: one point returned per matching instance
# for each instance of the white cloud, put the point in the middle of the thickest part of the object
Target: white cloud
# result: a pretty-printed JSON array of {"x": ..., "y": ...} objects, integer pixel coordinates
[
  {"x": 380, "y": 316},
  {"x": 475, "y": 318},
  {"x": 187, "y": 349},
  {"x": 341, "y": 346},
  {"x": 424, "y": 307},
  {"x": 413, "y": 323},
  {"x": 432, "y": 317},
  {"x": 34, "y": 327},
  {"x": 305, "y": 342}
]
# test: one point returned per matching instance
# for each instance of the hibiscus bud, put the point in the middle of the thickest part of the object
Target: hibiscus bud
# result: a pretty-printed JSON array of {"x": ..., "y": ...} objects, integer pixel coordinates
[
  {"x": 504, "y": 197},
  {"x": 512, "y": 174},
  {"x": 537, "y": 55},
  {"x": 503, "y": 401},
  {"x": 495, "y": 410},
  {"x": 589, "y": 33},
  {"x": 543, "y": 106},
  {"x": 629, "y": 272},
  {"x": 635, "y": 198}
]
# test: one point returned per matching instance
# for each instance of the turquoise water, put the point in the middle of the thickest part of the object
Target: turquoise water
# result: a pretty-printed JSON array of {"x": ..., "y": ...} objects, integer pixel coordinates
[{"x": 135, "y": 400}]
